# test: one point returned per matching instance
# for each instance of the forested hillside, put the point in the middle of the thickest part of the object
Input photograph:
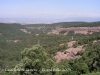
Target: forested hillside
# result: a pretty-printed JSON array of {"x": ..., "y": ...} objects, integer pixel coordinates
[
  {"x": 44, "y": 28},
  {"x": 8, "y": 31},
  {"x": 29, "y": 50}
]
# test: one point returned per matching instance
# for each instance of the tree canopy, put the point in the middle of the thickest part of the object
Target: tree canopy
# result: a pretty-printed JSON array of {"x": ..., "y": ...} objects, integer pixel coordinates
[{"x": 34, "y": 59}]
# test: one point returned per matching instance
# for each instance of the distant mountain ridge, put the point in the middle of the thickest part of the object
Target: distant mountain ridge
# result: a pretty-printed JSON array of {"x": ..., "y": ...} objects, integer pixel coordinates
[{"x": 67, "y": 24}]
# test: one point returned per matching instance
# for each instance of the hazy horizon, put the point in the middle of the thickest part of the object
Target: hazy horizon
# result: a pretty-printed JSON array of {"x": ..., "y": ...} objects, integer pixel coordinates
[{"x": 49, "y": 11}]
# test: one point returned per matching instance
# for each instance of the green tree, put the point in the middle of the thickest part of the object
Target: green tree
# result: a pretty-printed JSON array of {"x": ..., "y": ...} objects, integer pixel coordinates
[{"x": 35, "y": 59}]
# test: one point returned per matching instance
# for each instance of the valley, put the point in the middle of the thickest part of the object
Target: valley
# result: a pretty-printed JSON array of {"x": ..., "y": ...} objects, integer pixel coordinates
[{"x": 74, "y": 45}]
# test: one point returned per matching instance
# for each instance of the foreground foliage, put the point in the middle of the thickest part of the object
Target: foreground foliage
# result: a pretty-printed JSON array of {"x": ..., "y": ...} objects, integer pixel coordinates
[{"x": 35, "y": 59}]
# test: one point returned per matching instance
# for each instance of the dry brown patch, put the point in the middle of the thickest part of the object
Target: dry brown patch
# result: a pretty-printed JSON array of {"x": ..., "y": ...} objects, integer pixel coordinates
[
  {"x": 94, "y": 41},
  {"x": 1, "y": 34},
  {"x": 81, "y": 30},
  {"x": 14, "y": 40},
  {"x": 61, "y": 44},
  {"x": 25, "y": 31}
]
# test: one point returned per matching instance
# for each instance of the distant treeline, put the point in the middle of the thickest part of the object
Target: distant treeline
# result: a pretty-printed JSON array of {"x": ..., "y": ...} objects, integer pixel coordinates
[{"x": 67, "y": 24}]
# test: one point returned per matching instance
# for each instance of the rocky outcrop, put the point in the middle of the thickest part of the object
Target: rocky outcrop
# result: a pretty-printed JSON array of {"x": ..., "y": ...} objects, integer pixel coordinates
[{"x": 70, "y": 53}]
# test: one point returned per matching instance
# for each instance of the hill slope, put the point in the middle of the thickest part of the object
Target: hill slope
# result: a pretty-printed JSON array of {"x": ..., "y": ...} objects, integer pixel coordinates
[
  {"x": 45, "y": 28},
  {"x": 11, "y": 30}
]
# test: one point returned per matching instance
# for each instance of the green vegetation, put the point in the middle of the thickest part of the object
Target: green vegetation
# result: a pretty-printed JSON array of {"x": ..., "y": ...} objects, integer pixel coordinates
[
  {"x": 35, "y": 59},
  {"x": 20, "y": 50},
  {"x": 9, "y": 31}
]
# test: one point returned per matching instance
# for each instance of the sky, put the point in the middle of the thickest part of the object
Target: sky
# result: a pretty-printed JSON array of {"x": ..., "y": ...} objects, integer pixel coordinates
[{"x": 49, "y": 10}]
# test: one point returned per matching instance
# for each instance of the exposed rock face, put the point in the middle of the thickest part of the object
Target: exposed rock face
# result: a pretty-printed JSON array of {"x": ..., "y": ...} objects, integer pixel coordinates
[
  {"x": 82, "y": 30},
  {"x": 70, "y": 53}
]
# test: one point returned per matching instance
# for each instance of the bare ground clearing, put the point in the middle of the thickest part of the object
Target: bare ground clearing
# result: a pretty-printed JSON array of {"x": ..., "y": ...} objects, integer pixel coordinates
[{"x": 81, "y": 30}]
